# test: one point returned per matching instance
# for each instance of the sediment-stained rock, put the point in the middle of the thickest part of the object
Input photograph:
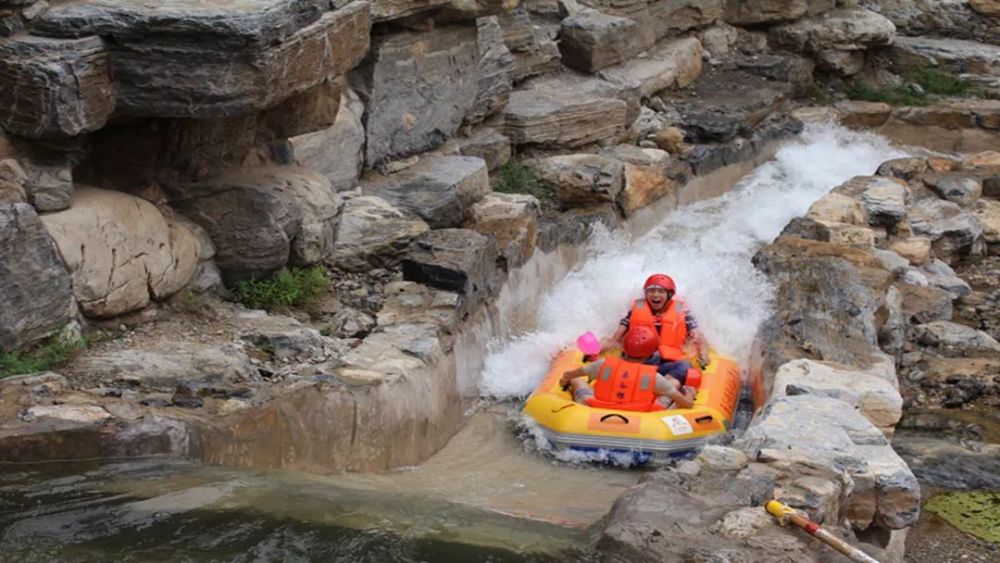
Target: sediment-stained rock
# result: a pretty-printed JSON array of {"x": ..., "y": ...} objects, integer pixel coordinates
[
  {"x": 953, "y": 231},
  {"x": 373, "y": 234},
  {"x": 54, "y": 87},
  {"x": 579, "y": 180},
  {"x": 120, "y": 251},
  {"x": 440, "y": 190},
  {"x": 34, "y": 285},
  {"x": 884, "y": 199}
]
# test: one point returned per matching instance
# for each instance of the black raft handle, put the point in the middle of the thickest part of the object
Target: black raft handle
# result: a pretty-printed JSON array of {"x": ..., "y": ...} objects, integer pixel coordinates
[{"x": 607, "y": 416}]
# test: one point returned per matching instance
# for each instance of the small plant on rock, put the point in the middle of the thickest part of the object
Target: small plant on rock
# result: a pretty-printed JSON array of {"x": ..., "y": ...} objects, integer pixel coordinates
[
  {"x": 518, "y": 178},
  {"x": 292, "y": 287},
  {"x": 44, "y": 358}
]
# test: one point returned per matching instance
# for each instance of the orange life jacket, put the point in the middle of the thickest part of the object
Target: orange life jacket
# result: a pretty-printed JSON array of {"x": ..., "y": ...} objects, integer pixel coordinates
[
  {"x": 673, "y": 326},
  {"x": 625, "y": 385}
]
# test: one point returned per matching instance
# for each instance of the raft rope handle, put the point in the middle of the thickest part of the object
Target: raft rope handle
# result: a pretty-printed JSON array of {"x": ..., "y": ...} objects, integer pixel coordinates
[{"x": 607, "y": 416}]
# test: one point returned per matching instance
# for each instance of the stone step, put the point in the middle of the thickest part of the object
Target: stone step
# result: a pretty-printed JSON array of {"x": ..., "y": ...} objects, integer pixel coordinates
[{"x": 543, "y": 117}]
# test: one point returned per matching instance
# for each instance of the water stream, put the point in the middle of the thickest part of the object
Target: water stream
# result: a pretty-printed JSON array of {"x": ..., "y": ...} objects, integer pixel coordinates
[{"x": 487, "y": 496}]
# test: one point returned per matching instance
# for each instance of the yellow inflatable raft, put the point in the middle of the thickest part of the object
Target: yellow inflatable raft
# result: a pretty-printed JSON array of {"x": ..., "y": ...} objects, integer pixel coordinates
[{"x": 646, "y": 436}]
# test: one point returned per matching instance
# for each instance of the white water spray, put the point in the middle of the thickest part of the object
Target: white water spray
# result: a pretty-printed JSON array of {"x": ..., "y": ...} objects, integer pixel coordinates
[{"x": 706, "y": 248}]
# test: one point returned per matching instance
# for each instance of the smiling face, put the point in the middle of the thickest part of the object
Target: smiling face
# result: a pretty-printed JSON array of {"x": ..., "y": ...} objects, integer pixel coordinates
[{"x": 657, "y": 297}]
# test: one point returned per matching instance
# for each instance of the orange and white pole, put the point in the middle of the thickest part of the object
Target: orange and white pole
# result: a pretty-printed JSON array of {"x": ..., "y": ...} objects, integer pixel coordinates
[{"x": 785, "y": 514}]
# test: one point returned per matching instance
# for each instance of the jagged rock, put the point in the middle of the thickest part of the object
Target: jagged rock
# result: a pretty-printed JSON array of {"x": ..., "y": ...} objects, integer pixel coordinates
[
  {"x": 892, "y": 261},
  {"x": 849, "y": 235},
  {"x": 648, "y": 176},
  {"x": 411, "y": 302},
  {"x": 673, "y": 17},
  {"x": 783, "y": 435},
  {"x": 166, "y": 365},
  {"x": 719, "y": 40},
  {"x": 387, "y": 10},
  {"x": 941, "y": 275},
  {"x": 841, "y": 62},
  {"x": 733, "y": 103},
  {"x": 512, "y": 220},
  {"x": 842, "y": 29},
  {"x": 539, "y": 117},
  {"x": 958, "y": 114},
  {"x": 590, "y": 40},
  {"x": 743, "y": 523},
  {"x": 49, "y": 183},
  {"x": 418, "y": 88},
  {"x": 971, "y": 60},
  {"x": 458, "y": 260},
  {"x": 34, "y": 285},
  {"x": 284, "y": 337},
  {"x": 953, "y": 231},
  {"x": 793, "y": 69},
  {"x": 621, "y": 86},
  {"x": 12, "y": 181},
  {"x": 884, "y": 199},
  {"x": 263, "y": 218},
  {"x": 336, "y": 152},
  {"x": 533, "y": 53},
  {"x": 892, "y": 324},
  {"x": 373, "y": 234},
  {"x": 54, "y": 87},
  {"x": 915, "y": 249},
  {"x": 496, "y": 70},
  {"x": 120, "y": 251},
  {"x": 625, "y": 8},
  {"x": 671, "y": 64},
  {"x": 487, "y": 144},
  {"x": 721, "y": 457},
  {"x": 440, "y": 190},
  {"x": 874, "y": 397},
  {"x": 941, "y": 18},
  {"x": 863, "y": 114},
  {"x": 954, "y": 340},
  {"x": 750, "y": 12},
  {"x": 987, "y": 212},
  {"x": 582, "y": 179},
  {"x": 922, "y": 304},
  {"x": 392, "y": 352},
  {"x": 986, "y": 7},
  {"x": 958, "y": 187},
  {"x": 839, "y": 208},
  {"x": 351, "y": 323},
  {"x": 78, "y": 415},
  {"x": 671, "y": 140},
  {"x": 183, "y": 60},
  {"x": 826, "y": 312}
]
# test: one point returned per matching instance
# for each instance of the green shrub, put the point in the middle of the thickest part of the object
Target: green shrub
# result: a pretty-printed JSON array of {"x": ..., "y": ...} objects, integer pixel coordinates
[
  {"x": 942, "y": 83},
  {"x": 288, "y": 288},
  {"x": 933, "y": 81},
  {"x": 893, "y": 95},
  {"x": 516, "y": 178},
  {"x": 44, "y": 358}
]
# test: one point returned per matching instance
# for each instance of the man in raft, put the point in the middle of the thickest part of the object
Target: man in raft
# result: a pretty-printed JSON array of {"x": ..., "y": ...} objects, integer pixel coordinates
[
  {"x": 628, "y": 383},
  {"x": 673, "y": 323}
]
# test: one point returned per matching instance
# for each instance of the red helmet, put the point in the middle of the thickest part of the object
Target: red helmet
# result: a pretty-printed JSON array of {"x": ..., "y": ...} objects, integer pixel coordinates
[
  {"x": 641, "y": 342},
  {"x": 660, "y": 280}
]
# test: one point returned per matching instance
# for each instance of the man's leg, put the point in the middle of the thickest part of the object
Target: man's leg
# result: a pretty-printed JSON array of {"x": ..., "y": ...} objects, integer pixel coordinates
[{"x": 678, "y": 370}]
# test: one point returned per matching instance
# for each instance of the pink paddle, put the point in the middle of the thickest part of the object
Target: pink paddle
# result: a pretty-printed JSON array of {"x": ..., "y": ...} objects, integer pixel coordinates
[{"x": 588, "y": 344}]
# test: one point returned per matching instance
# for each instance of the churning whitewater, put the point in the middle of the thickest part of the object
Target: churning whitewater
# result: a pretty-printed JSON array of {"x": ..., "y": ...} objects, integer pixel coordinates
[{"x": 706, "y": 247}]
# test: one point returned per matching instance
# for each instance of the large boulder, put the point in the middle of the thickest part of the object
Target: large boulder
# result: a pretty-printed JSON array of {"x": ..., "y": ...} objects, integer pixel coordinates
[
  {"x": 987, "y": 212},
  {"x": 388, "y": 10},
  {"x": 971, "y": 60},
  {"x": 923, "y": 303},
  {"x": 496, "y": 70},
  {"x": 457, "y": 260},
  {"x": 373, "y": 234},
  {"x": 843, "y": 30},
  {"x": 54, "y": 87},
  {"x": 410, "y": 302},
  {"x": 875, "y": 484},
  {"x": 534, "y": 52},
  {"x": 190, "y": 59},
  {"x": 750, "y": 12},
  {"x": 487, "y": 144},
  {"x": 670, "y": 64},
  {"x": 34, "y": 285},
  {"x": 540, "y": 117},
  {"x": 884, "y": 199},
  {"x": 579, "y": 180},
  {"x": 875, "y": 397},
  {"x": 962, "y": 188},
  {"x": 440, "y": 190},
  {"x": 671, "y": 17},
  {"x": 418, "y": 88},
  {"x": 986, "y": 7},
  {"x": 512, "y": 220},
  {"x": 590, "y": 40},
  {"x": 261, "y": 219},
  {"x": 120, "y": 251},
  {"x": 12, "y": 182},
  {"x": 336, "y": 152},
  {"x": 649, "y": 175}
]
